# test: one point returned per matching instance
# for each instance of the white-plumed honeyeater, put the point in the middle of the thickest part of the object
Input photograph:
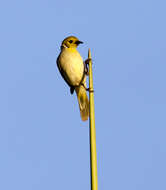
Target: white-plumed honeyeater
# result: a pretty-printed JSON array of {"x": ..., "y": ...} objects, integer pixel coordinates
[{"x": 73, "y": 70}]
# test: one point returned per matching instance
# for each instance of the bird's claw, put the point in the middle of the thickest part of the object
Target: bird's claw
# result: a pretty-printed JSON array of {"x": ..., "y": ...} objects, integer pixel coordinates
[
  {"x": 86, "y": 70},
  {"x": 86, "y": 62},
  {"x": 87, "y": 89}
]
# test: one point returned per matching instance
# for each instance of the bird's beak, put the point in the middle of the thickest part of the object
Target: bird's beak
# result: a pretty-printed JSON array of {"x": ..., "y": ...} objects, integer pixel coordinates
[{"x": 78, "y": 42}]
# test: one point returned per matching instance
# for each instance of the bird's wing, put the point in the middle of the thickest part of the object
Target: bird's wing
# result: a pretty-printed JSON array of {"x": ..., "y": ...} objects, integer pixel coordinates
[{"x": 64, "y": 76}]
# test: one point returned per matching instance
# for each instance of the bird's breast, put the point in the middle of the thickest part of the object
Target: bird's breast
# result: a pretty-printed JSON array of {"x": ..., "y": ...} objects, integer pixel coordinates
[{"x": 72, "y": 65}]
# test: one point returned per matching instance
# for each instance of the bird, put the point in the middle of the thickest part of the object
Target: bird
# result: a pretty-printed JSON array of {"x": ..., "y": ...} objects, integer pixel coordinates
[{"x": 74, "y": 71}]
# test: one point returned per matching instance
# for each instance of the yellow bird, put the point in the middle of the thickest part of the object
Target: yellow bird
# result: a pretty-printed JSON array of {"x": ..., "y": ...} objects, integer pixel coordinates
[{"x": 73, "y": 70}]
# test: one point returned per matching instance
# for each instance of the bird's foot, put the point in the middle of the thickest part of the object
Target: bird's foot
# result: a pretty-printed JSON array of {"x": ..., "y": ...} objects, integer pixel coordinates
[
  {"x": 87, "y": 89},
  {"x": 86, "y": 62}
]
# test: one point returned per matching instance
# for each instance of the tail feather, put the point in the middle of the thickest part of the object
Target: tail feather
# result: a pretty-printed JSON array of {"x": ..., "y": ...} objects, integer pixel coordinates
[{"x": 83, "y": 102}]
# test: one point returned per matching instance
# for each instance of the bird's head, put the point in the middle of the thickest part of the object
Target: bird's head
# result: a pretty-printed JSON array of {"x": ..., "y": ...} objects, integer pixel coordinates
[{"x": 71, "y": 42}]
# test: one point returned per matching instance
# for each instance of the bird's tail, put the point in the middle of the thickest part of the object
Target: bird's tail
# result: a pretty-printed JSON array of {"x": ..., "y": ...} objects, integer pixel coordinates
[{"x": 83, "y": 102}]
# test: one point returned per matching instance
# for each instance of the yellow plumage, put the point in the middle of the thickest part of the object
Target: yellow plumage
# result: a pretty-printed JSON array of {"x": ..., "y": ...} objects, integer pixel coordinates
[
  {"x": 83, "y": 102},
  {"x": 72, "y": 69}
]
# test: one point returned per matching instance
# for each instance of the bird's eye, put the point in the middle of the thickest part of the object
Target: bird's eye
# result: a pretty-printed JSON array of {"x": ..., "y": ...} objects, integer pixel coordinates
[{"x": 71, "y": 41}]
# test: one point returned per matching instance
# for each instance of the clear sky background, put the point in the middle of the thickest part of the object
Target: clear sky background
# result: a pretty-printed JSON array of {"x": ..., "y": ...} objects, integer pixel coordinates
[{"x": 43, "y": 142}]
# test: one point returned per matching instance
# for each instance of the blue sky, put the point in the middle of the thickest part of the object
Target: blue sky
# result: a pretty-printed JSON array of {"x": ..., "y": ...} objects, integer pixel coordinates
[{"x": 43, "y": 142}]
